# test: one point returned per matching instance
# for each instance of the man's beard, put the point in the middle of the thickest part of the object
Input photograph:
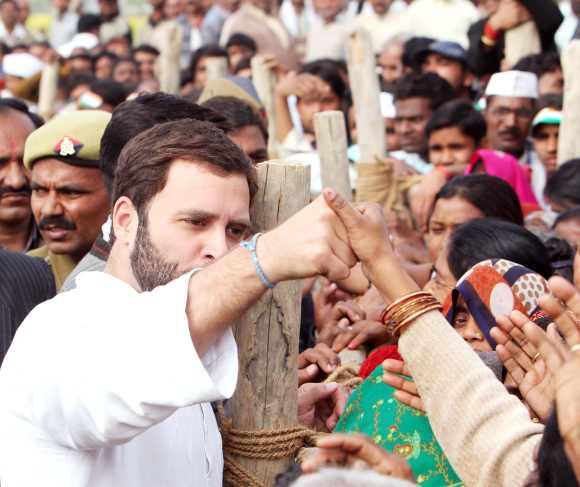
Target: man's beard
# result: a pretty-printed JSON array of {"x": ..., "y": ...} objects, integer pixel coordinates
[{"x": 147, "y": 263}]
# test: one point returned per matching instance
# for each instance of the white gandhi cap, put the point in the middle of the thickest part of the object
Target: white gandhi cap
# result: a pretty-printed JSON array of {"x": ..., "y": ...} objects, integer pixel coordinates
[
  {"x": 21, "y": 64},
  {"x": 520, "y": 84}
]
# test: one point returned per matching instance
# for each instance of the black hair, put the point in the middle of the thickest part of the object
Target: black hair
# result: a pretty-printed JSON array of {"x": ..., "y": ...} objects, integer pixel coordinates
[
  {"x": 125, "y": 60},
  {"x": 19, "y": 106},
  {"x": 460, "y": 114},
  {"x": 553, "y": 467},
  {"x": 81, "y": 55},
  {"x": 477, "y": 188},
  {"x": 237, "y": 112},
  {"x": 411, "y": 48},
  {"x": 330, "y": 72},
  {"x": 491, "y": 238},
  {"x": 133, "y": 117},
  {"x": 245, "y": 63},
  {"x": 571, "y": 214},
  {"x": 561, "y": 255},
  {"x": 539, "y": 64},
  {"x": 108, "y": 54},
  {"x": 111, "y": 92},
  {"x": 75, "y": 80},
  {"x": 209, "y": 50},
  {"x": 550, "y": 100},
  {"x": 563, "y": 187},
  {"x": 239, "y": 39},
  {"x": 88, "y": 22},
  {"x": 146, "y": 48},
  {"x": 426, "y": 85}
]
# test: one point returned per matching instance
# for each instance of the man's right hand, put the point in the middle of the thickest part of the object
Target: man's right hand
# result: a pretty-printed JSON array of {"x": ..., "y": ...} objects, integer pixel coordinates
[
  {"x": 302, "y": 85},
  {"x": 510, "y": 14},
  {"x": 313, "y": 242}
]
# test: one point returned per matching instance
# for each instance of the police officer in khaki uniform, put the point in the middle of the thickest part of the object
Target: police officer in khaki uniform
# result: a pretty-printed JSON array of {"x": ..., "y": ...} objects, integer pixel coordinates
[{"x": 69, "y": 200}]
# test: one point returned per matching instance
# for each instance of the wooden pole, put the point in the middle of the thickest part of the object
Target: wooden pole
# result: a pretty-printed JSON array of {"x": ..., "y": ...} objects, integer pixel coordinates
[
  {"x": 48, "y": 90},
  {"x": 267, "y": 335},
  {"x": 216, "y": 67},
  {"x": 364, "y": 83},
  {"x": 168, "y": 67},
  {"x": 569, "y": 141},
  {"x": 521, "y": 41},
  {"x": 331, "y": 143},
  {"x": 264, "y": 80}
]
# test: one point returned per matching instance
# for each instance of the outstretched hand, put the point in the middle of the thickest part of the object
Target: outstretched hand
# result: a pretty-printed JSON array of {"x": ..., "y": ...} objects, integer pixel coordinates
[
  {"x": 366, "y": 226},
  {"x": 356, "y": 451}
]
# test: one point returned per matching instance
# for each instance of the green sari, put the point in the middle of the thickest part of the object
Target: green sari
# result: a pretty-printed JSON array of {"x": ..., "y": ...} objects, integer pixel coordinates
[{"x": 373, "y": 411}]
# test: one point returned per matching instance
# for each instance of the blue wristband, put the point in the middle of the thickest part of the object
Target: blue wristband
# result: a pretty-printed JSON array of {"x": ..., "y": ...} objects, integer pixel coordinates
[{"x": 250, "y": 245}]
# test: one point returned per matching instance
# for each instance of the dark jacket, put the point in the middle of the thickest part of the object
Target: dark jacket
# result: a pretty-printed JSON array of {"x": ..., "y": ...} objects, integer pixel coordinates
[
  {"x": 24, "y": 282},
  {"x": 487, "y": 60}
]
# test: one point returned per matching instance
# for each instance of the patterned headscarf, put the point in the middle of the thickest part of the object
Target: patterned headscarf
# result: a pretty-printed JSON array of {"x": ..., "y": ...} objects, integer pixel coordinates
[{"x": 495, "y": 288}]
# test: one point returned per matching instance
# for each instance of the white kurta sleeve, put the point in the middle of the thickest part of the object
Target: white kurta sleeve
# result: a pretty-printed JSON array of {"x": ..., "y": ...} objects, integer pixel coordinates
[{"x": 120, "y": 371}]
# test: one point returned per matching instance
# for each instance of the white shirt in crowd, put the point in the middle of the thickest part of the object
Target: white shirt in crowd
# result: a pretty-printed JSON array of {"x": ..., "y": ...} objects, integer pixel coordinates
[
  {"x": 442, "y": 19},
  {"x": 102, "y": 386}
]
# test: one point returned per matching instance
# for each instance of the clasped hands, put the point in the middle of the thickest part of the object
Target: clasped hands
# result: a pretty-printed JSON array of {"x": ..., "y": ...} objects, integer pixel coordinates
[{"x": 326, "y": 238}]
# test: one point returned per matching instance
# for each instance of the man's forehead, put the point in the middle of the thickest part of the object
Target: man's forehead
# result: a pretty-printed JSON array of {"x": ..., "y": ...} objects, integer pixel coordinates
[
  {"x": 53, "y": 171},
  {"x": 410, "y": 106},
  {"x": 510, "y": 101}
]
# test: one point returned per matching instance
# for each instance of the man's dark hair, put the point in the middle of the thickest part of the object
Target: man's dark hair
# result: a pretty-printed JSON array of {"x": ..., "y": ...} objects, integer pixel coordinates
[
  {"x": 209, "y": 50},
  {"x": 410, "y": 50},
  {"x": 146, "y": 48},
  {"x": 144, "y": 163},
  {"x": 563, "y": 186},
  {"x": 111, "y": 92},
  {"x": 489, "y": 238},
  {"x": 550, "y": 100},
  {"x": 75, "y": 80},
  {"x": 88, "y": 23},
  {"x": 330, "y": 72},
  {"x": 108, "y": 54},
  {"x": 124, "y": 60},
  {"x": 133, "y": 117},
  {"x": 7, "y": 104},
  {"x": 539, "y": 64},
  {"x": 244, "y": 63},
  {"x": 427, "y": 85},
  {"x": 460, "y": 114},
  {"x": 568, "y": 215},
  {"x": 237, "y": 112},
  {"x": 239, "y": 39},
  {"x": 476, "y": 190}
]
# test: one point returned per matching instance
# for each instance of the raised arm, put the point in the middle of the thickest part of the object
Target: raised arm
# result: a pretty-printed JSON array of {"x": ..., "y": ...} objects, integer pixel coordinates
[{"x": 487, "y": 434}]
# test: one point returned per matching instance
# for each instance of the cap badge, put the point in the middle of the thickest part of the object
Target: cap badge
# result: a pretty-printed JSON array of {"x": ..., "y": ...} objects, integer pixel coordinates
[{"x": 68, "y": 147}]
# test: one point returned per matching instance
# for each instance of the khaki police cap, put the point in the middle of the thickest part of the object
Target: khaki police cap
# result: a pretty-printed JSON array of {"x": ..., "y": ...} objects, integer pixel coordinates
[{"x": 73, "y": 137}]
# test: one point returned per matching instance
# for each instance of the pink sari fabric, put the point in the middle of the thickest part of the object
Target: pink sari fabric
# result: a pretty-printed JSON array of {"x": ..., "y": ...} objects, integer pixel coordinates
[{"x": 506, "y": 167}]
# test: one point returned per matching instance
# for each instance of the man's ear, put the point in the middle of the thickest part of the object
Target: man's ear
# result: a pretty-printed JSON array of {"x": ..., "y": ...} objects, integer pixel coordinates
[{"x": 125, "y": 221}]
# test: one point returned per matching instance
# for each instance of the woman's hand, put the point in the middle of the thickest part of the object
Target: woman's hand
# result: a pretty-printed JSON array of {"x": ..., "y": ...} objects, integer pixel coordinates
[
  {"x": 524, "y": 363},
  {"x": 360, "y": 333},
  {"x": 356, "y": 451},
  {"x": 316, "y": 362},
  {"x": 406, "y": 390}
]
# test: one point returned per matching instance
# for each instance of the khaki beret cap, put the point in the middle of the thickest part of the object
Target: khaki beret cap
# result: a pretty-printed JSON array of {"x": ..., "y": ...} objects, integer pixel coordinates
[
  {"x": 73, "y": 137},
  {"x": 226, "y": 87}
]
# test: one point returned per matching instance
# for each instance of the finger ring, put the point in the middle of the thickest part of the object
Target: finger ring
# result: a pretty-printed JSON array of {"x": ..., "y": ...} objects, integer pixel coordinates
[
  {"x": 536, "y": 357},
  {"x": 575, "y": 348}
]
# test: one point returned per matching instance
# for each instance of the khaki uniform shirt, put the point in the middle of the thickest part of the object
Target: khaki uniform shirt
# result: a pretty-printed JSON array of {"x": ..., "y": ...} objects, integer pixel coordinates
[{"x": 60, "y": 265}]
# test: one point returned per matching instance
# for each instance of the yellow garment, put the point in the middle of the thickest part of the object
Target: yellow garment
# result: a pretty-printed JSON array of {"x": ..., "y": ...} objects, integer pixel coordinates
[{"x": 61, "y": 265}]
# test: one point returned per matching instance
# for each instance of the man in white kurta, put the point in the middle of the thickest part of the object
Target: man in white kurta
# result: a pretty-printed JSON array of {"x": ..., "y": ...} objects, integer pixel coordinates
[
  {"x": 99, "y": 366},
  {"x": 109, "y": 384}
]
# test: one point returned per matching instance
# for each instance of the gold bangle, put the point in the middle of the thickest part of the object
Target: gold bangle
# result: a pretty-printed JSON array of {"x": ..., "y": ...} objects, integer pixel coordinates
[{"x": 401, "y": 300}]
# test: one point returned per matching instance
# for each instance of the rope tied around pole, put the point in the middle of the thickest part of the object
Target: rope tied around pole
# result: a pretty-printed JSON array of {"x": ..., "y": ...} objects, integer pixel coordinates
[
  {"x": 262, "y": 444},
  {"x": 345, "y": 375}
]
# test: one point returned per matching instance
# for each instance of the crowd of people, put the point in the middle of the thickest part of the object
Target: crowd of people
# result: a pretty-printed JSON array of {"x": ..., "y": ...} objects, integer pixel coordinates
[{"x": 449, "y": 291}]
